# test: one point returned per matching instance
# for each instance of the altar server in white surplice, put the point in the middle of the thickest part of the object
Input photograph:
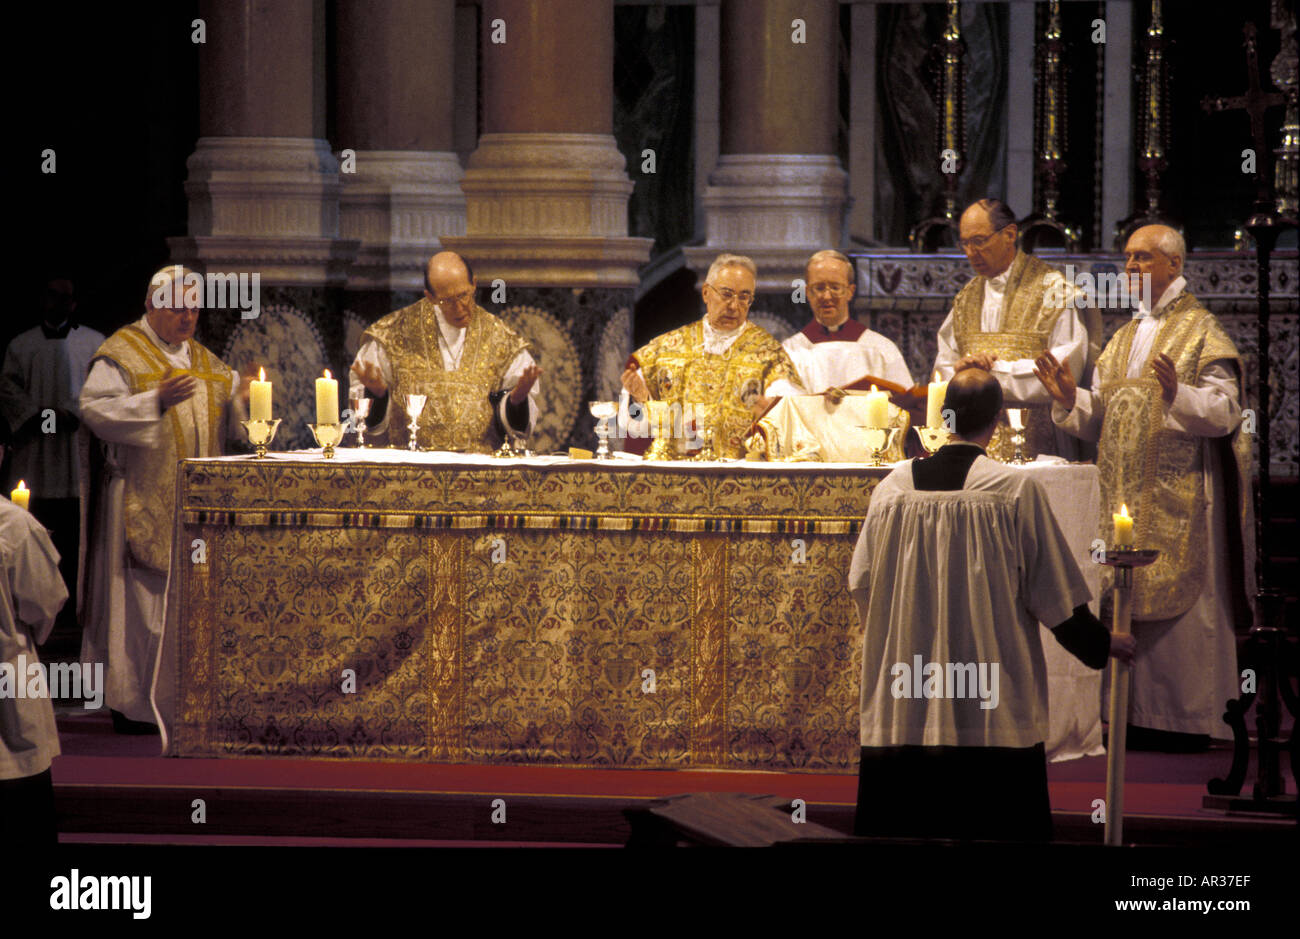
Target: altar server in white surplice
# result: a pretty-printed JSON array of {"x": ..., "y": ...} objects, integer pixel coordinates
[
  {"x": 31, "y": 595},
  {"x": 958, "y": 561},
  {"x": 833, "y": 350},
  {"x": 154, "y": 397}
]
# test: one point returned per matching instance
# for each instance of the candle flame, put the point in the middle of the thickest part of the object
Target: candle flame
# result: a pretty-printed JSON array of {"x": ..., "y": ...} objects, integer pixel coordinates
[
  {"x": 873, "y": 389},
  {"x": 936, "y": 375},
  {"x": 1123, "y": 510},
  {"x": 327, "y": 374},
  {"x": 261, "y": 373},
  {"x": 21, "y": 485}
]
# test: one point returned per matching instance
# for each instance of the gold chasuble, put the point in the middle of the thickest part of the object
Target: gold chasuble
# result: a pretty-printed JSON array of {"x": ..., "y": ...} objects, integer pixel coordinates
[
  {"x": 1159, "y": 473},
  {"x": 679, "y": 371},
  {"x": 1027, "y": 324},
  {"x": 193, "y": 428},
  {"x": 457, "y": 415}
]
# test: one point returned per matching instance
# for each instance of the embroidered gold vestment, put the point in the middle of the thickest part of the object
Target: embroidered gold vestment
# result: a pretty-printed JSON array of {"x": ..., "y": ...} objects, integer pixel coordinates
[
  {"x": 1027, "y": 324},
  {"x": 193, "y": 428},
  {"x": 679, "y": 371},
  {"x": 1159, "y": 473},
  {"x": 457, "y": 415}
]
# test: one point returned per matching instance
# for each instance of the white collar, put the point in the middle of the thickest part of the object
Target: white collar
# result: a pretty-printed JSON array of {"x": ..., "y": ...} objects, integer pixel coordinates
[
  {"x": 999, "y": 283},
  {"x": 712, "y": 335},
  {"x": 1171, "y": 293},
  {"x": 159, "y": 340},
  {"x": 450, "y": 334}
]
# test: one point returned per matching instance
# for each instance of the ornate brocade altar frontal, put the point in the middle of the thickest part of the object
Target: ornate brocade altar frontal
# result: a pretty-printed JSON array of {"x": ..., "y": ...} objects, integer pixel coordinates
[{"x": 513, "y": 612}]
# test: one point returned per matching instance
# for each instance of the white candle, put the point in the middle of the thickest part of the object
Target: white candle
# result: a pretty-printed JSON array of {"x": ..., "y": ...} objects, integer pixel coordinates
[
  {"x": 259, "y": 398},
  {"x": 934, "y": 403},
  {"x": 1123, "y": 528},
  {"x": 877, "y": 409},
  {"x": 327, "y": 400},
  {"x": 20, "y": 495}
]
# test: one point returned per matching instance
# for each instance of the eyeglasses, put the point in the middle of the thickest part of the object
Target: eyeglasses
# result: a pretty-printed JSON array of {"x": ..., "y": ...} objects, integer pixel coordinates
[
  {"x": 979, "y": 241},
  {"x": 833, "y": 289},
  {"x": 729, "y": 295},
  {"x": 459, "y": 300}
]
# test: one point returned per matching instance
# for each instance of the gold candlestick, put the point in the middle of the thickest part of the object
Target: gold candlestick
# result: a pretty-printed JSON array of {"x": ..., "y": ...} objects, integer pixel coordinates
[
  {"x": 1123, "y": 559},
  {"x": 328, "y": 437},
  {"x": 260, "y": 434}
]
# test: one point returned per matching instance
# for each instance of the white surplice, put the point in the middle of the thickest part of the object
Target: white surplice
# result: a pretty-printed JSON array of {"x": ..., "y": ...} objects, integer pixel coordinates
[
  {"x": 31, "y": 595},
  {"x": 964, "y": 577},
  {"x": 41, "y": 373},
  {"x": 452, "y": 347},
  {"x": 835, "y": 363},
  {"x": 1185, "y": 668},
  {"x": 126, "y": 602}
]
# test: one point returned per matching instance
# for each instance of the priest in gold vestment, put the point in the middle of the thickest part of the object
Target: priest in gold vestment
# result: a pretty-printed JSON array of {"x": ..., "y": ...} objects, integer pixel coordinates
[
  {"x": 1014, "y": 308},
  {"x": 721, "y": 360},
  {"x": 154, "y": 396},
  {"x": 1165, "y": 408},
  {"x": 475, "y": 371}
]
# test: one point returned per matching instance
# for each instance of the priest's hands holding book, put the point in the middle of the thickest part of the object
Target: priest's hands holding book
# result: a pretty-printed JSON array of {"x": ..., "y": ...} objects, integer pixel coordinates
[
  {"x": 1122, "y": 647},
  {"x": 1056, "y": 378}
]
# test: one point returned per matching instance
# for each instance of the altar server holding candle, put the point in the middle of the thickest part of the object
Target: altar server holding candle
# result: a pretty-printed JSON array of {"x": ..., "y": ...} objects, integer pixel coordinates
[
  {"x": 1165, "y": 408},
  {"x": 154, "y": 396}
]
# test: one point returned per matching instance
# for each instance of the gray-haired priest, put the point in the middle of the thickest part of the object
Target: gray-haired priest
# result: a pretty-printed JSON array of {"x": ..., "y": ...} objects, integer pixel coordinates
[
  {"x": 154, "y": 396},
  {"x": 722, "y": 358},
  {"x": 474, "y": 370}
]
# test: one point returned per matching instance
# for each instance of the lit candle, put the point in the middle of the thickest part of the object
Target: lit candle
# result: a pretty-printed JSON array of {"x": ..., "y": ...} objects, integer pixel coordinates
[
  {"x": 327, "y": 400},
  {"x": 1123, "y": 528},
  {"x": 259, "y": 398},
  {"x": 934, "y": 403},
  {"x": 877, "y": 409},
  {"x": 20, "y": 495}
]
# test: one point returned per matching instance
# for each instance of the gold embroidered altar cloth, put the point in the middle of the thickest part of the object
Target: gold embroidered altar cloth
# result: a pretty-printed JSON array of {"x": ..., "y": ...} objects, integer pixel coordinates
[{"x": 542, "y": 611}]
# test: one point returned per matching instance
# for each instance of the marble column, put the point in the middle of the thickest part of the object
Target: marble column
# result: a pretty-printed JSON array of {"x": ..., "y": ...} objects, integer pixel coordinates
[
  {"x": 778, "y": 191},
  {"x": 401, "y": 178},
  {"x": 546, "y": 195},
  {"x": 263, "y": 186},
  {"x": 546, "y": 190}
]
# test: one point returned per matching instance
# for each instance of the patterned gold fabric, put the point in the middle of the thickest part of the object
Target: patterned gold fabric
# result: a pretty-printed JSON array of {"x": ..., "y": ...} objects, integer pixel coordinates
[
  {"x": 457, "y": 415},
  {"x": 195, "y": 427},
  {"x": 1157, "y": 472},
  {"x": 679, "y": 371},
  {"x": 1027, "y": 324},
  {"x": 504, "y": 616}
]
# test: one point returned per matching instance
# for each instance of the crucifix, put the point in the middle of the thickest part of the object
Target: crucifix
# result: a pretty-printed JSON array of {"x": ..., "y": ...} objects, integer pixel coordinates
[{"x": 1254, "y": 102}]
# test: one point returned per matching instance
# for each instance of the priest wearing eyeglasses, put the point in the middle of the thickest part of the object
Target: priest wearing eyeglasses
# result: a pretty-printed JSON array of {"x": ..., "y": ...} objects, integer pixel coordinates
[
  {"x": 475, "y": 371},
  {"x": 834, "y": 350},
  {"x": 722, "y": 359},
  {"x": 1014, "y": 309}
]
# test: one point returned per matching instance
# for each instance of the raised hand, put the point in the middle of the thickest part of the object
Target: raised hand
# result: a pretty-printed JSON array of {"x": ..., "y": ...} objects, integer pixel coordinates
[
  {"x": 1167, "y": 375},
  {"x": 1056, "y": 378},
  {"x": 175, "y": 388},
  {"x": 635, "y": 384},
  {"x": 525, "y": 384},
  {"x": 372, "y": 377}
]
